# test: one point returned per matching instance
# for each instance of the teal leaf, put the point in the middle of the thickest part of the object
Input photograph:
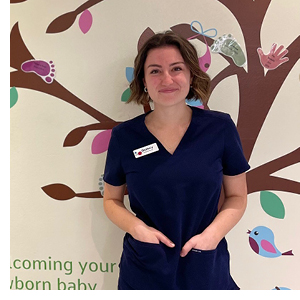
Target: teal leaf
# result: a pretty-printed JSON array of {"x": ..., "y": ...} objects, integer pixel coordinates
[
  {"x": 126, "y": 95},
  {"x": 13, "y": 96},
  {"x": 272, "y": 204}
]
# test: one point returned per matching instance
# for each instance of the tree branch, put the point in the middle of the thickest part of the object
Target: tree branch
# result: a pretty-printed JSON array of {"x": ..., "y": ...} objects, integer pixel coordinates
[
  {"x": 252, "y": 88},
  {"x": 281, "y": 162},
  {"x": 19, "y": 54},
  {"x": 272, "y": 183},
  {"x": 75, "y": 136},
  {"x": 33, "y": 82},
  {"x": 249, "y": 14},
  {"x": 228, "y": 71},
  {"x": 261, "y": 177}
]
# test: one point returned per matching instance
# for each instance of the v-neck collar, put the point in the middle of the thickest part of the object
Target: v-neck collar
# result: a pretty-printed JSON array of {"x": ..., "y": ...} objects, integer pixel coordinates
[{"x": 186, "y": 134}]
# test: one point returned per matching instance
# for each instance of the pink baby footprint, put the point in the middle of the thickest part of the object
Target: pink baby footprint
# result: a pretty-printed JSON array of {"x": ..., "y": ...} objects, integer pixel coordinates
[{"x": 40, "y": 67}]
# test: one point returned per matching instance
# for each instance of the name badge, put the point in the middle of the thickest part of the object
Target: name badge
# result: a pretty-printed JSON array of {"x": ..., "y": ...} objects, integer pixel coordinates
[{"x": 145, "y": 150}]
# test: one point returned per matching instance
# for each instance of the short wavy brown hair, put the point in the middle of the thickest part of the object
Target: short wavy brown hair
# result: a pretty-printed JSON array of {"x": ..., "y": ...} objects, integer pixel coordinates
[{"x": 200, "y": 80}]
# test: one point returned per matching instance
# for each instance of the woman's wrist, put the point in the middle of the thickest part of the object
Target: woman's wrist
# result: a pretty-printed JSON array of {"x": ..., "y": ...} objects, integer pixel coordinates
[
  {"x": 211, "y": 237},
  {"x": 135, "y": 227}
]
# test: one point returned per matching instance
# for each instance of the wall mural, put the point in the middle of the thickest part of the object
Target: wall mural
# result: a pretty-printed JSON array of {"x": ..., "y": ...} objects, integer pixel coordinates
[{"x": 266, "y": 72}]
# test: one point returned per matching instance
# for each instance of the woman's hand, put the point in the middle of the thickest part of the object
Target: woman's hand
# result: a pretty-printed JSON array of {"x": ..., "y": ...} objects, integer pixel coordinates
[
  {"x": 113, "y": 203},
  {"x": 144, "y": 233},
  {"x": 235, "y": 190},
  {"x": 201, "y": 242}
]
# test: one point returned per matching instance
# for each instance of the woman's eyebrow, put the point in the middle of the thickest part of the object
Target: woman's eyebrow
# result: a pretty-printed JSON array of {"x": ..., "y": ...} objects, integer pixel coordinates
[
  {"x": 172, "y": 64},
  {"x": 176, "y": 63},
  {"x": 154, "y": 65}
]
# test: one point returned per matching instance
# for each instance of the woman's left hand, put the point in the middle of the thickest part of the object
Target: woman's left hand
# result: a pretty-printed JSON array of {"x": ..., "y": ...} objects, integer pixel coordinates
[
  {"x": 235, "y": 191},
  {"x": 200, "y": 242}
]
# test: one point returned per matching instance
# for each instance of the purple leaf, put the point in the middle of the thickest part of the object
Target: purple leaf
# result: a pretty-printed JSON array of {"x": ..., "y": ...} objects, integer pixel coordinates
[
  {"x": 101, "y": 141},
  {"x": 85, "y": 21}
]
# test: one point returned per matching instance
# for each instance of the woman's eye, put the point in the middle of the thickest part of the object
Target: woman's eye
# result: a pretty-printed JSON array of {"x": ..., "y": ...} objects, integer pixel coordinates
[
  {"x": 177, "y": 69},
  {"x": 153, "y": 71}
]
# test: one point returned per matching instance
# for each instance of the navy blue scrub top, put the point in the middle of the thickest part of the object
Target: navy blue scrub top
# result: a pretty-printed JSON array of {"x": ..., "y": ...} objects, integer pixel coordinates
[{"x": 177, "y": 194}]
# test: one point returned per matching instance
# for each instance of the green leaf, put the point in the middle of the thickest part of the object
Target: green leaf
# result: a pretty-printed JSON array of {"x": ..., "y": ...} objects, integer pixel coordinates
[
  {"x": 126, "y": 95},
  {"x": 272, "y": 204},
  {"x": 13, "y": 96}
]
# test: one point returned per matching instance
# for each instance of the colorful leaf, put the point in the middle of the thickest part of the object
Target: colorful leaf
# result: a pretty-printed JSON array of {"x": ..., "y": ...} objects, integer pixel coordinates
[
  {"x": 197, "y": 103},
  {"x": 126, "y": 95},
  {"x": 101, "y": 142},
  {"x": 13, "y": 96},
  {"x": 129, "y": 74},
  {"x": 85, "y": 21},
  {"x": 272, "y": 204}
]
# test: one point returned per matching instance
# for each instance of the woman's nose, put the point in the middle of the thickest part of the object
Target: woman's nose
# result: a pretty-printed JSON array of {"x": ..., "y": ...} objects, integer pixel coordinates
[{"x": 166, "y": 78}]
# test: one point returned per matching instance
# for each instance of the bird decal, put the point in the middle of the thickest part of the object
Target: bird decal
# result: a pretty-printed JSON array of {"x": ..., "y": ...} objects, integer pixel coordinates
[{"x": 261, "y": 240}]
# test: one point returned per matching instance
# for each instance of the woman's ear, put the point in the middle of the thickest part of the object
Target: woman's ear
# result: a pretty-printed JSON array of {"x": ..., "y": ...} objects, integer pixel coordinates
[{"x": 191, "y": 79}]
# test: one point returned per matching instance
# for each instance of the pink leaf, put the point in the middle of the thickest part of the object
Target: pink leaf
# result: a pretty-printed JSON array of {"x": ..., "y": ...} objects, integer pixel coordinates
[
  {"x": 85, "y": 21},
  {"x": 101, "y": 141}
]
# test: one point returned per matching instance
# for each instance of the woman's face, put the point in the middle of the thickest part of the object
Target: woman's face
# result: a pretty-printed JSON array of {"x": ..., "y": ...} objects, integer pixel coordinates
[{"x": 167, "y": 77}]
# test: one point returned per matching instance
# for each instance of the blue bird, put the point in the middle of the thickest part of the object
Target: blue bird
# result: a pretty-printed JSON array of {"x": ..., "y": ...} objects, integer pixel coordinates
[
  {"x": 280, "y": 288},
  {"x": 261, "y": 240}
]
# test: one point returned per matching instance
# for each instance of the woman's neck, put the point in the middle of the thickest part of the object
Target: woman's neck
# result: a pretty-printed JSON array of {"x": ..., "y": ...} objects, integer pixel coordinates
[{"x": 170, "y": 116}]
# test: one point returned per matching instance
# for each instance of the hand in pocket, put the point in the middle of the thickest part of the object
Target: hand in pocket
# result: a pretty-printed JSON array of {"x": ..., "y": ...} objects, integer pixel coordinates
[
  {"x": 147, "y": 234},
  {"x": 198, "y": 242}
]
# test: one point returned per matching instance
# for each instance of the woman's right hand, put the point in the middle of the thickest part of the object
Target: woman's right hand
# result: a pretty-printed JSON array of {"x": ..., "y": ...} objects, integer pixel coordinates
[
  {"x": 144, "y": 233},
  {"x": 113, "y": 203}
]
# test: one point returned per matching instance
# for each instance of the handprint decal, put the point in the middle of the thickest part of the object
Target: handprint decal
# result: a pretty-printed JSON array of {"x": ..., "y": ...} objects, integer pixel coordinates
[{"x": 274, "y": 59}]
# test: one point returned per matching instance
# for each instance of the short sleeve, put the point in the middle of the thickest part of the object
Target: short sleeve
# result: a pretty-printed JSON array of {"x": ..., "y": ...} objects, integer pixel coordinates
[
  {"x": 233, "y": 160},
  {"x": 114, "y": 173}
]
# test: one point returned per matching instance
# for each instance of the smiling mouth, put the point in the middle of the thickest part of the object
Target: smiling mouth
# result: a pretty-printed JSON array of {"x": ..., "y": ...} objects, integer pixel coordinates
[{"x": 167, "y": 91}]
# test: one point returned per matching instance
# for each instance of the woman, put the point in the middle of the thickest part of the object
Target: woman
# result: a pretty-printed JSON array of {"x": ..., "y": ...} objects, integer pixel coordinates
[{"x": 174, "y": 161}]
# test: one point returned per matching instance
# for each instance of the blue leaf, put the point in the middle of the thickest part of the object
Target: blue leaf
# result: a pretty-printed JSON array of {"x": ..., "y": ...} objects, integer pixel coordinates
[
  {"x": 129, "y": 74},
  {"x": 193, "y": 102}
]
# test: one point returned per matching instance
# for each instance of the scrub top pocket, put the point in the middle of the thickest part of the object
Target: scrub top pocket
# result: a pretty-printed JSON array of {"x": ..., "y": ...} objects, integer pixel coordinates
[
  {"x": 144, "y": 265},
  {"x": 199, "y": 267},
  {"x": 206, "y": 270}
]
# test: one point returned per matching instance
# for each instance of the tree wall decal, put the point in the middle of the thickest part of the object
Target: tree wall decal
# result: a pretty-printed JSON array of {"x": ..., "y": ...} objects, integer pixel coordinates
[
  {"x": 66, "y": 20},
  {"x": 257, "y": 93}
]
